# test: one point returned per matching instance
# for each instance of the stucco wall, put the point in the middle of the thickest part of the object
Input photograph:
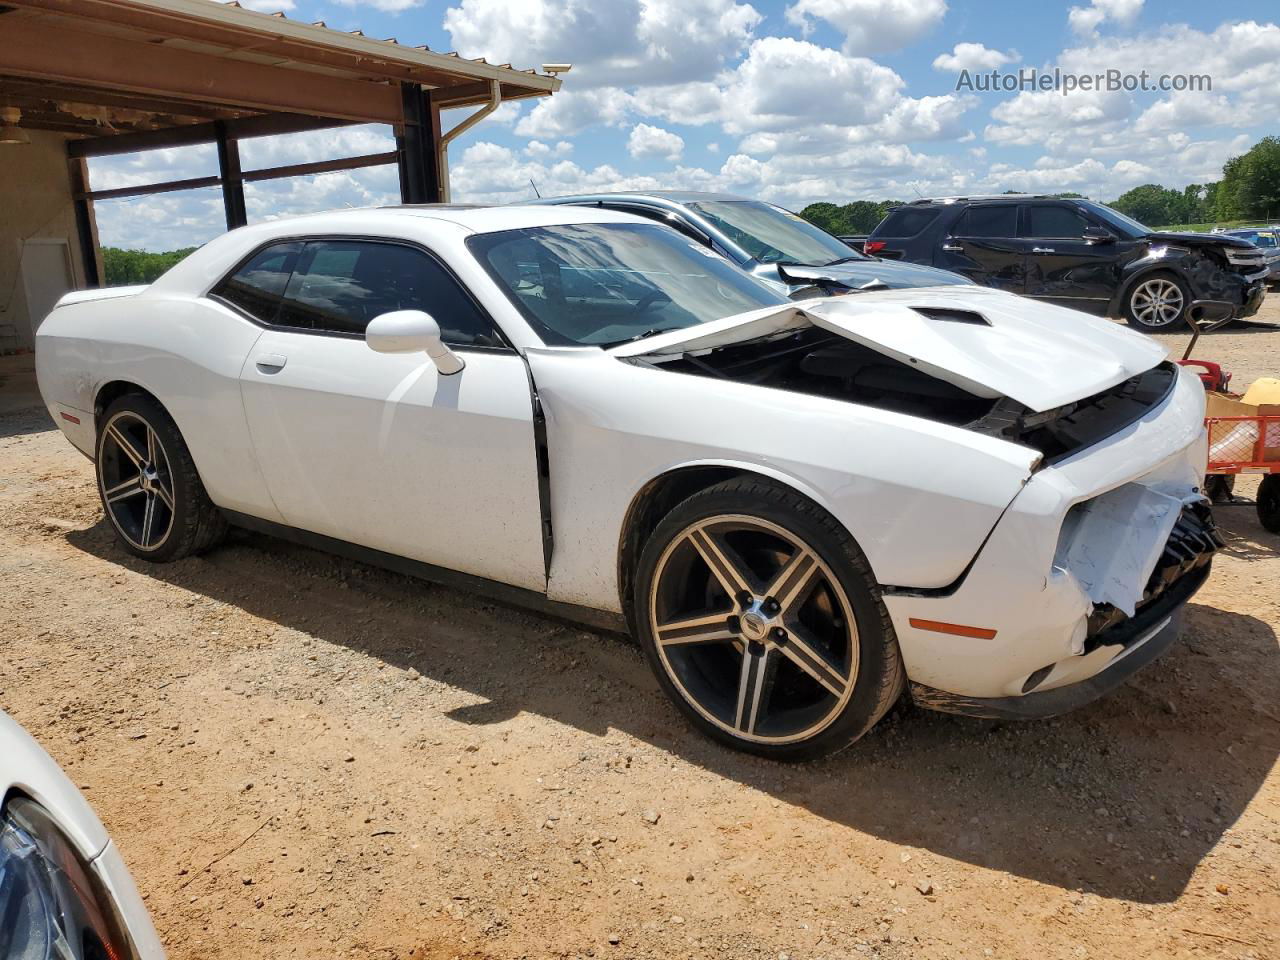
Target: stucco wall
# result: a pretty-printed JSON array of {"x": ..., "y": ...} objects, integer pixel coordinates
[{"x": 35, "y": 203}]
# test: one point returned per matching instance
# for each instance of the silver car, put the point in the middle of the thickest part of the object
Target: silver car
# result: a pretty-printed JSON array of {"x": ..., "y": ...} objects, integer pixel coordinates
[
  {"x": 1266, "y": 239},
  {"x": 773, "y": 244}
]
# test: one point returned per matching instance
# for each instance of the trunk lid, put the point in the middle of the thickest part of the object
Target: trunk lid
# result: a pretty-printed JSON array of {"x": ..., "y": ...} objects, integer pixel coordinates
[
  {"x": 987, "y": 342},
  {"x": 98, "y": 293}
]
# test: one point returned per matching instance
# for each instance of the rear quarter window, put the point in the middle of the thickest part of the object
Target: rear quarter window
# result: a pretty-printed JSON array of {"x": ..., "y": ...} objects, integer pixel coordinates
[{"x": 905, "y": 222}]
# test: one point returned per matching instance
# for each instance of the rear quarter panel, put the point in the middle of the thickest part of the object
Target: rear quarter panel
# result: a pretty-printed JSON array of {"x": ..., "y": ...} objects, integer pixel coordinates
[{"x": 187, "y": 352}]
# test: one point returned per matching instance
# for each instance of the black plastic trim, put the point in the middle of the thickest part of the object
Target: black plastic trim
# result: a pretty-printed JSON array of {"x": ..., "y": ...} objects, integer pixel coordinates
[
  {"x": 541, "y": 452},
  {"x": 503, "y": 593}
]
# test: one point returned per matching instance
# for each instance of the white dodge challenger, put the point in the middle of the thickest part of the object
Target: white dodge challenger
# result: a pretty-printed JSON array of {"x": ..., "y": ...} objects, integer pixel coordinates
[{"x": 800, "y": 509}]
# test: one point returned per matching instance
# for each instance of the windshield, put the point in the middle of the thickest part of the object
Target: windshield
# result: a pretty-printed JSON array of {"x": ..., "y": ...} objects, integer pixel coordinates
[
  {"x": 606, "y": 283},
  {"x": 1127, "y": 226},
  {"x": 770, "y": 234}
]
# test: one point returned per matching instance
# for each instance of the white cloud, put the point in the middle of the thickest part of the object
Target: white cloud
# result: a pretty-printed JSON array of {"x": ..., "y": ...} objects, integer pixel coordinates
[
  {"x": 609, "y": 44},
  {"x": 1183, "y": 111},
  {"x": 871, "y": 26},
  {"x": 1086, "y": 20},
  {"x": 713, "y": 147},
  {"x": 648, "y": 142},
  {"x": 1039, "y": 117},
  {"x": 268, "y": 6},
  {"x": 974, "y": 56},
  {"x": 572, "y": 111},
  {"x": 386, "y": 6},
  {"x": 541, "y": 151}
]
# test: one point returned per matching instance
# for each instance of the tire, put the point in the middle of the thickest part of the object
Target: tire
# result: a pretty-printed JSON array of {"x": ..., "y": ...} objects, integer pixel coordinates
[
  {"x": 150, "y": 490},
  {"x": 1151, "y": 297},
  {"x": 1220, "y": 487},
  {"x": 795, "y": 662},
  {"x": 1269, "y": 502}
]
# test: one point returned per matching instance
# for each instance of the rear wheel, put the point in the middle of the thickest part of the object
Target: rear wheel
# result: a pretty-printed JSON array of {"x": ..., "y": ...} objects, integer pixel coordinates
[
  {"x": 1157, "y": 302},
  {"x": 150, "y": 490},
  {"x": 761, "y": 620}
]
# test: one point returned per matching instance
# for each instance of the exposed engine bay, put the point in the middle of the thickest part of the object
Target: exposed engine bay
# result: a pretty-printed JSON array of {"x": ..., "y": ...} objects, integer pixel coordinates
[{"x": 817, "y": 362}]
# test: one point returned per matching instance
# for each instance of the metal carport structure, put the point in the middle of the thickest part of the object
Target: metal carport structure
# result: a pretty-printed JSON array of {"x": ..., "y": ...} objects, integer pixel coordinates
[{"x": 106, "y": 77}]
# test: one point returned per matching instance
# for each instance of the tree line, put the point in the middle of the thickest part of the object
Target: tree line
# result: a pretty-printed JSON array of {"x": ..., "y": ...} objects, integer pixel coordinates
[
  {"x": 1249, "y": 190},
  {"x": 131, "y": 267}
]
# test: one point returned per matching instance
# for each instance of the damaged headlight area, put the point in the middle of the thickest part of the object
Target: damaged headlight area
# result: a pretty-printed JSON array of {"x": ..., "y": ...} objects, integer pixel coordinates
[
  {"x": 52, "y": 904},
  {"x": 1060, "y": 432}
]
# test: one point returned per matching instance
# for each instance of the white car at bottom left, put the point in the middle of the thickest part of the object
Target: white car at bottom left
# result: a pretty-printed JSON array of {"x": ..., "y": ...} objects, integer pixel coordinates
[{"x": 65, "y": 893}]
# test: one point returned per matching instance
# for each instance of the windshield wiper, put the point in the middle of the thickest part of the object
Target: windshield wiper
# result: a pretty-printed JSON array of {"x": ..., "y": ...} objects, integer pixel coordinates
[
  {"x": 856, "y": 258},
  {"x": 644, "y": 336}
]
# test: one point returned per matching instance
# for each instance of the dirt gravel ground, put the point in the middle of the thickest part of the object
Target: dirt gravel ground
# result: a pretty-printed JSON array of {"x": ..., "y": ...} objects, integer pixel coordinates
[{"x": 300, "y": 756}]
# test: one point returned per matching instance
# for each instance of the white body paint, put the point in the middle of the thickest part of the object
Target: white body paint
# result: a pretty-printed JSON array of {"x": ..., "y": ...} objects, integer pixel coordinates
[{"x": 381, "y": 450}]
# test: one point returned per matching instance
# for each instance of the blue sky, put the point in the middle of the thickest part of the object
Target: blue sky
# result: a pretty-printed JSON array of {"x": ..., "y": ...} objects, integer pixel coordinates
[{"x": 791, "y": 100}]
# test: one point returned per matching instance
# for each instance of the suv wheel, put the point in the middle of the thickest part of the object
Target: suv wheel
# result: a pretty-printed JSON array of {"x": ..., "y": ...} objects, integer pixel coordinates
[{"x": 1156, "y": 303}]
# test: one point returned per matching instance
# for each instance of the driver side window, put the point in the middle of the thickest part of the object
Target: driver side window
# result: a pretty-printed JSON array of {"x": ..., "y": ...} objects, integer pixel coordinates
[{"x": 338, "y": 286}]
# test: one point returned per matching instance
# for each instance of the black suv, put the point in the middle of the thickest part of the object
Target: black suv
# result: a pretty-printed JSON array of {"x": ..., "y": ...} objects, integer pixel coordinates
[{"x": 1079, "y": 254}]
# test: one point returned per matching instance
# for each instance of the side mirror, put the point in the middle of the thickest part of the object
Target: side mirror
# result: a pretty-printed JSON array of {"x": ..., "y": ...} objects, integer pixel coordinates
[
  {"x": 1099, "y": 235},
  {"x": 411, "y": 331}
]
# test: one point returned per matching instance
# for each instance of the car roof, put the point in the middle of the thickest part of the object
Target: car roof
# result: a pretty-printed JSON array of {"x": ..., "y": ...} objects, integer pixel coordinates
[
  {"x": 672, "y": 196},
  {"x": 474, "y": 218},
  {"x": 978, "y": 198}
]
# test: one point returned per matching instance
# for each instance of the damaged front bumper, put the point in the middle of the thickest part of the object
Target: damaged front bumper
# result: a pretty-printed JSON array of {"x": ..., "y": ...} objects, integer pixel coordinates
[
  {"x": 1116, "y": 647},
  {"x": 1079, "y": 583}
]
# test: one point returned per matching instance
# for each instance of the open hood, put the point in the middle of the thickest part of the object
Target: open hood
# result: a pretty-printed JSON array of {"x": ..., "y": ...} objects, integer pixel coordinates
[{"x": 987, "y": 342}]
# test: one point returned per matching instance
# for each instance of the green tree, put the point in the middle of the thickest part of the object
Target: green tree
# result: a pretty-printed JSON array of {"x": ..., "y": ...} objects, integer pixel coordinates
[
  {"x": 858, "y": 217},
  {"x": 129, "y": 267},
  {"x": 1256, "y": 180},
  {"x": 1151, "y": 204},
  {"x": 824, "y": 215}
]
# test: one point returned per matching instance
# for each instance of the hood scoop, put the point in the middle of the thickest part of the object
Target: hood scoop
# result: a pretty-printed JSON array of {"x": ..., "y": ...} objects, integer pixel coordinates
[
  {"x": 987, "y": 342},
  {"x": 948, "y": 315}
]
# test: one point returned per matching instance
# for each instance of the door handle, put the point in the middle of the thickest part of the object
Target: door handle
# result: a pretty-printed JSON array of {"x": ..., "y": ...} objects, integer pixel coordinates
[
  {"x": 1042, "y": 249},
  {"x": 270, "y": 362},
  {"x": 953, "y": 247}
]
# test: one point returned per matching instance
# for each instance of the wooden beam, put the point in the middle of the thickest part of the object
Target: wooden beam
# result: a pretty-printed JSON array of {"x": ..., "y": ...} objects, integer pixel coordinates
[
  {"x": 33, "y": 49},
  {"x": 143, "y": 190},
  {"x": 472, "y": 94},
  {"x": 288, "y": 39},
  {"x": 16, "y": 88},
  {"x": 320, "y": 166},
  {"x": 241, "y": 128},
  {"x": 246, "y": 176}
]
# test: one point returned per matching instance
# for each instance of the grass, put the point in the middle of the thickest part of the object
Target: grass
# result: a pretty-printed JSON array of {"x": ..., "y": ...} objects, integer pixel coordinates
[{"x": 1208, "y": 227}]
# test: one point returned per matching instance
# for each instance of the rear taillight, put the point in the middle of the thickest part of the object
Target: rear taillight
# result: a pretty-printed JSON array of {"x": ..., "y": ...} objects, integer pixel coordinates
[{"x": 873, "y": 247}]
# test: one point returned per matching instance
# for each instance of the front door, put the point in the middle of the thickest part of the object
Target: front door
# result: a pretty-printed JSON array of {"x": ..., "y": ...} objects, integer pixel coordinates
[
  {"x": 984, "y": 246},
  {"x": 382, "y": 450},
  {"x": 1064, "y": 267}
]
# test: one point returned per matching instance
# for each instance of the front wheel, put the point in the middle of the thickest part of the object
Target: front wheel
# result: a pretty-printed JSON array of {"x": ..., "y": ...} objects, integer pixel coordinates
[
  {"x": 1157, "y": 303},
  {"x": 761, "y": 619}
]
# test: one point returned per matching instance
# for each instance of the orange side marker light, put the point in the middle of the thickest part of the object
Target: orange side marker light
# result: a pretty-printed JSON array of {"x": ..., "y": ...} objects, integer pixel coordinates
[{"x": 957, "y": 629}]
